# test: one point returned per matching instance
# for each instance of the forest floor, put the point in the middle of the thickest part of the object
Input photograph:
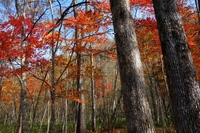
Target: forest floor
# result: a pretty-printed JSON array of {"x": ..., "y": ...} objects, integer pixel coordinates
[
  {"x": 125, "y": 131},
  {"x": 121, "y": 128}
]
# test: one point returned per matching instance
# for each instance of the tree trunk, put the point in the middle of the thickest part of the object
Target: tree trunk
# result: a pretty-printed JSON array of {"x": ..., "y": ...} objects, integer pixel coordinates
[
  {"x": 22, "y": 78},
  {"x": 64, "y": 122},
  {"x": 48, "y": 117},
  {"x": 181, "y": 76},
  {"x": 53, "y": 85},
  {"x": 136, "y": 106},
  {"x": 23, "y": 104},
  {"x": 153, "y": 98},
  {"x": 160, "y": 106},
  {"x": 81, "y": 125},
  {"x": 197, "y": 2},
  {"x": 80, "y": 122},
  {"x": 93, "y": 96},
  {"x": 1, "y": 85}
]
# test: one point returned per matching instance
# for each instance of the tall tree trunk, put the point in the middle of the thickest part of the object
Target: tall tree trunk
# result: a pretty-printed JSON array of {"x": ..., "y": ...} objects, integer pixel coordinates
[
  {"x": 197, "y": 2},
  {"x": 48, "y": 117},
  {"x": 93, "y": 117},
  {"x": 160, "y": 105},
  {"x": 93, "y": 96},
  {"x": 152, "y": 96},
  {"x": 1, "y": 78},
  {"x": 181, "y": 76},
  {"x": 80, "y": 122},
  {"x": 22, "y": 79},
  {"x": 53, "y": 85},
  {"x": 136, "y": 106},
  {"x": 23, "y": 104},
  {"x": 115, "y": 88},
  {"x": 64, "y": 122},
  {"x": 1, "y": 85}
]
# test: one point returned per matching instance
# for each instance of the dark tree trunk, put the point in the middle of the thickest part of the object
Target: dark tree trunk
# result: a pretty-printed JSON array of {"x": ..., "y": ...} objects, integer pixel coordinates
[
  {"x": 197, "y": 2},
  {"x": 183, "y": 85},
  {"x": 53, "y": 115},
  {"x": 23, "y": 105},
  {"x": 1, "y": 85},
  {"x": 52, "y": 128},
  {"x": 136, "y": 106},
  {"x": 80, "y": 121}
]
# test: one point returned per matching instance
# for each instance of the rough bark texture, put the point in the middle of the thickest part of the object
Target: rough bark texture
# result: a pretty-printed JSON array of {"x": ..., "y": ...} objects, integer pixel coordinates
[
  {"x": 183, "y": 85},
  {"x": 198, "y": 11},
  {"x": 138, "y": 114}
]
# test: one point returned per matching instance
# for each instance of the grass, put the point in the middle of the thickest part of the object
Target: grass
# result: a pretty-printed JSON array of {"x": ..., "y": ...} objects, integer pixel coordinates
[
  {"x": 6, "y": 128},
  {"x": 120, "y": 126}
]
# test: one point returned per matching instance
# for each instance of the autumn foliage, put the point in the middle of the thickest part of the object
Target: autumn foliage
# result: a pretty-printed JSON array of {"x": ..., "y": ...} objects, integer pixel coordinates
[{"x": 96, "y": 38}]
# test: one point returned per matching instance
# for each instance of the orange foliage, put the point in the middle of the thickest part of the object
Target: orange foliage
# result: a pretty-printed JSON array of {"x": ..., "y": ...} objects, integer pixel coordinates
[{"x": 93, "y": 26}]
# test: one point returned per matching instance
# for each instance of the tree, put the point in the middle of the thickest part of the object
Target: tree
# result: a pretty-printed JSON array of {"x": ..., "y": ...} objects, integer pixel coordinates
[
  {"x": 138, "y": 114},
  {"x": 40, "y": 41},
  {"x": 53, "y": 84},
  {"x": 197, "y": 2},
  {"x": 181, "y": 76},
  {"x": 81, "y": 121},
  {"x": 23, "y": 125}
]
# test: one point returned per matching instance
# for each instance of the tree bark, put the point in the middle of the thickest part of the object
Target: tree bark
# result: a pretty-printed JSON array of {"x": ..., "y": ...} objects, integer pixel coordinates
[
  {"x": 1, "y": 85},
  {"x": 197, "y": 2},
  {"x": 80, "y": 122},
  {"x": 53, "y": 85},
  {"x": 65, "y": 115},
  {"x": 22, "y": 127},
  {"x": 181, "y": 76},
  {"x": 93, "y": 96},
  {"x": 136, "y": 106}
]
